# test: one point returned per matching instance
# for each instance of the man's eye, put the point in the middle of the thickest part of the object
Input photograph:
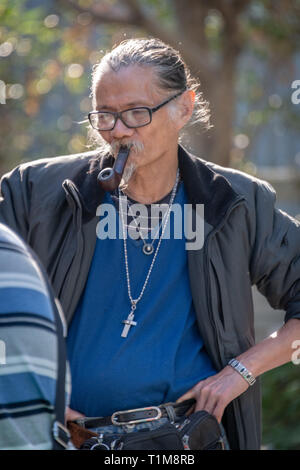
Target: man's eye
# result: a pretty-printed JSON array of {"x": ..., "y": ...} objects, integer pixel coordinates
[
  {"x": 137, "y": 115},
  {"x": 104, "y": 117},
  {"x": 139, "y": 112}
]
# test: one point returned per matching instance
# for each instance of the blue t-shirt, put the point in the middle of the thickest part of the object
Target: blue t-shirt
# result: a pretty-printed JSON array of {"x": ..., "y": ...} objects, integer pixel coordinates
[{"x": 163, "y": 355}]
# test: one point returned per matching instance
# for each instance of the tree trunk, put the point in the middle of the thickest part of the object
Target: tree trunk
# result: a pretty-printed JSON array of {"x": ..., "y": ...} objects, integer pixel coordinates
[{"x": 217, "y": 79}]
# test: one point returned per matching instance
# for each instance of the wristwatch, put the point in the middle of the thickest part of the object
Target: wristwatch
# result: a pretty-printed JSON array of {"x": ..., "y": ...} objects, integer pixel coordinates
[{"x": 242, "y": 370}]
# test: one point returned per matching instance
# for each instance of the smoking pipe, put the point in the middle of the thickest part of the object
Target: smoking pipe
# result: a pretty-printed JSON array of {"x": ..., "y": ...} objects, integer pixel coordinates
[{"x": 109, "y": 178}]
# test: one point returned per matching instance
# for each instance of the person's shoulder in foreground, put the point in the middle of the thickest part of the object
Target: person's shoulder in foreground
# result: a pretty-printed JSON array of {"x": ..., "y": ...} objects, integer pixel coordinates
[{"x": 28, "y": 342}]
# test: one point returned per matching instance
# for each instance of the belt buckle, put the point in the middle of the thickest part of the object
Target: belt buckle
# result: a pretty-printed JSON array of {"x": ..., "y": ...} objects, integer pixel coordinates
[
  {"x": 61, "y": 434},
  {"x": 136, "y": 421}
]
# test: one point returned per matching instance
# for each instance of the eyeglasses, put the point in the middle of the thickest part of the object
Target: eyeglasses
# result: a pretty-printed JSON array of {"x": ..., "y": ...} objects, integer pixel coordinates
[{"x": 132, "y": 117}]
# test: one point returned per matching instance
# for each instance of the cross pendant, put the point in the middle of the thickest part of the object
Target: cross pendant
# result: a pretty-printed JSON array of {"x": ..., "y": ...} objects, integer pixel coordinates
[{"x": 128, "y": 324}]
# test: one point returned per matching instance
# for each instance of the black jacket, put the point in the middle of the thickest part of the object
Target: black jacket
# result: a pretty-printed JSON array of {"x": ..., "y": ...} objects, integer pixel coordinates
[{"x": 52, "y": 204}]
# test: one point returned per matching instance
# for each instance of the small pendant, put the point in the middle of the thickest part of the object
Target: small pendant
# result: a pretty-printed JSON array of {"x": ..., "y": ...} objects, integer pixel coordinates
[
  {"x": 128, "y": 324},
  {"x": 148, "y": 249}
]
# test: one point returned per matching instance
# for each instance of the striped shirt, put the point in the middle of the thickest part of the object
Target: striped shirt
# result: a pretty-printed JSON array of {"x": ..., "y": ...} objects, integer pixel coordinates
[{"x": 28, "y": 352}]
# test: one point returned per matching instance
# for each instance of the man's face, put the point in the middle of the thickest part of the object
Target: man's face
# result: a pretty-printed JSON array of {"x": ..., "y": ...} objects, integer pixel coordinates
[{"x": 132, "y": 87}]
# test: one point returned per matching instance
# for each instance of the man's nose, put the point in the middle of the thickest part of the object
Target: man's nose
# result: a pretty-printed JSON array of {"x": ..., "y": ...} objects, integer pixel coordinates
[{"x": 120, "y": 130}]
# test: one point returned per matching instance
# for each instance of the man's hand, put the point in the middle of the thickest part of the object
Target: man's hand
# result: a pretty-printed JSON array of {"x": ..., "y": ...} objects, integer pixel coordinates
[
  {"x": 71, "y": 415},
  {"x": 216, "y": 392}
]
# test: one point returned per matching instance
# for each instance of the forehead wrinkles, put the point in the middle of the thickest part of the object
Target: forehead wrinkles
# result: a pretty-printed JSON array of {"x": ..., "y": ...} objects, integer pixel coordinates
[{"x": 132, "y": 84}]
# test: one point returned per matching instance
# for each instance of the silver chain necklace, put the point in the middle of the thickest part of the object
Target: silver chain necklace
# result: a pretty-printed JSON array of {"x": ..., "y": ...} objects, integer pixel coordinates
[
  {"x": 148, "y": 248},
  {"x": 129, "y": 322}
]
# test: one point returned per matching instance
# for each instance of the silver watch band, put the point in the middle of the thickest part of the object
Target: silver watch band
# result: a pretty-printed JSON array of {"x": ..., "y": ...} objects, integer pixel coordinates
[{"x": 242, "y": 370}]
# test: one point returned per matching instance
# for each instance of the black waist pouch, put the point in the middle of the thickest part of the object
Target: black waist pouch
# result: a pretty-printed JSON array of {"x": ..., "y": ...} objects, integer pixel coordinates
[
  {"x": 199, "y": 431},
  {"x": 164, "y": 438}
]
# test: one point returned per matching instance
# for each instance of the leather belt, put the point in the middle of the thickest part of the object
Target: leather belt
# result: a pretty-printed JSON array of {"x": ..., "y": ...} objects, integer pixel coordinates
[{"x": 139, "y": 415}]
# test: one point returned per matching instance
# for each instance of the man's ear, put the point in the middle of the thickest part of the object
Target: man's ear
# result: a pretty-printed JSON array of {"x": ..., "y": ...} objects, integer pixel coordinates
[{"x": 186, "y": 107}]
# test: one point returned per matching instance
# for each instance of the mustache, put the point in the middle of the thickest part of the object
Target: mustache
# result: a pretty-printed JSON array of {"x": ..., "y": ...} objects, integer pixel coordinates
[
  {"x": 135, "y": 146},
  {"x": 95, "y": 140}
]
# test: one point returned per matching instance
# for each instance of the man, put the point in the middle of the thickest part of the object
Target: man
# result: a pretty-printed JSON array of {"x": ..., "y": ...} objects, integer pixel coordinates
[
  {"x": 151, "y": 321},
  {"x": 30, "y": 356}
]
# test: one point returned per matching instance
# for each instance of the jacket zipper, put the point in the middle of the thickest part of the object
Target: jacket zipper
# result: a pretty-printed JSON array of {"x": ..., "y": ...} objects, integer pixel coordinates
[
  {"x": 207, "y": 283},
  {"x": 206, "y": 269}
]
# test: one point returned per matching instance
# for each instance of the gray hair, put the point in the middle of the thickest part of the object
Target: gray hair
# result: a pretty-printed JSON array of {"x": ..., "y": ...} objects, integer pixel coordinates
[{"x": 172, "y": 73}]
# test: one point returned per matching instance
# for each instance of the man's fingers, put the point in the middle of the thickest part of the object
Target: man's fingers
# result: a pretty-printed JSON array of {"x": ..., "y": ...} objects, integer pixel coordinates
[
  {"x": 190, "y": 410},
  {"x": 206, "y": 400},
  {"x": 214, "y": 405},
  {"x": 203, "y": 396},
  {"x": 218, "y": 411},
  {"x": 71, "y": 415},
  {"x": 187, "y": 396}
]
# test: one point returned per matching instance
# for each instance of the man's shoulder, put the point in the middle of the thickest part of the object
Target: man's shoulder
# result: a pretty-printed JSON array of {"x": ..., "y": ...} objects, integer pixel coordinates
[
  {"x": 43, "y": 178},
  {"x": 242, "y": 183},
  {"x": 59, "y": 163}
]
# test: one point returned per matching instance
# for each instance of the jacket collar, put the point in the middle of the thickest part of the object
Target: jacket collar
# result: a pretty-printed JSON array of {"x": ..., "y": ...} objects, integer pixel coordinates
[{"x": 203, "y": 185}]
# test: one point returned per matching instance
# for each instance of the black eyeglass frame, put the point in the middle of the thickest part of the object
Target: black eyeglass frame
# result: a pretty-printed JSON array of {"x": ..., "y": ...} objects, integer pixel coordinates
[{"x": 118, "y": 115}]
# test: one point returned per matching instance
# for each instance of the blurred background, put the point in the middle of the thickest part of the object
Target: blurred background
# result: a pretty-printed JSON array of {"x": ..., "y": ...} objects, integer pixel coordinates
[{"x": 246, "y": 55}]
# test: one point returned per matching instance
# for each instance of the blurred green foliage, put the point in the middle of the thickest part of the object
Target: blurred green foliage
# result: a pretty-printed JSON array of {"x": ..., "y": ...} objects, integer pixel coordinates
[
  {"x": 281, "y": 408},
  {"x": 47, "y": 51},
  {"x": 45, "y": 55}
]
